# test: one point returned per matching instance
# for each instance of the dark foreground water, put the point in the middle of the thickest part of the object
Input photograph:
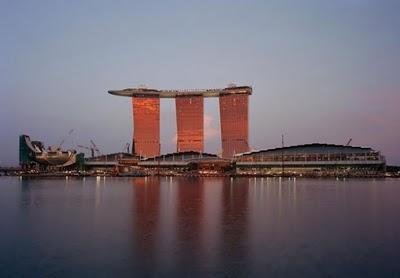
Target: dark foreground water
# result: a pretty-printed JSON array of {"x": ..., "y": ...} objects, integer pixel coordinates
[{"x": 200, "y": 227}]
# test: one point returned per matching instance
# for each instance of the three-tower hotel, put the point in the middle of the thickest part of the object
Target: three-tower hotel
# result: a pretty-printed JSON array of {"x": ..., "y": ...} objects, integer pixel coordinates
[{"x": 233, "y": 107}]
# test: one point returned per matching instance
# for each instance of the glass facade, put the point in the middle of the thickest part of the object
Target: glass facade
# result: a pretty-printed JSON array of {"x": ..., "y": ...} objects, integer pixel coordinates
[
  {"x": 146, "y": 126},
  {"x": 190, "y": 123},
  {"x": 234, "y": 124}
]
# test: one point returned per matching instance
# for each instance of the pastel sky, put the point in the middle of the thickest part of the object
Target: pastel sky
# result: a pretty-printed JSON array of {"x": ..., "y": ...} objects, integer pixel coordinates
[{"x": 322, "y": 70}]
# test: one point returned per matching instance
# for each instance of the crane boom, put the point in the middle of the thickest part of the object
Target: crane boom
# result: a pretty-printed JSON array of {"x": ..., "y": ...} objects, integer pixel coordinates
[
  {"x": 87, "y": 148},
  {"x": 95, "y": 147},
  {"x": 63, "y": 140}
]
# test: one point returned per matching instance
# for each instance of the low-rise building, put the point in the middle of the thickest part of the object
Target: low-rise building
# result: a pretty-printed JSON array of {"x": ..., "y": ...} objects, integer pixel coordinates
[{"x": 312, "y": 159}]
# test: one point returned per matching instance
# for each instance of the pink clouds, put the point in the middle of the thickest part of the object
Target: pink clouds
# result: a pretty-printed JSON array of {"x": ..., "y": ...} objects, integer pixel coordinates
[{"x": 210, "y": 132}]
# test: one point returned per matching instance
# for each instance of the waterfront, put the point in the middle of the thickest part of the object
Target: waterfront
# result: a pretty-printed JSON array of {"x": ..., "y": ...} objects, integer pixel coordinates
[{"x": 199, "y": 227}]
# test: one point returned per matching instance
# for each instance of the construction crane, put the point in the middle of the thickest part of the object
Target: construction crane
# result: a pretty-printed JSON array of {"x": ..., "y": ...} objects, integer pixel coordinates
[
  {"x": 87, "y": 148},
  {"x": 126, "y": 147},
  {"x": 348, "y": 142},
  {"x": 95, "y": 147},
  {"x": 63, "y": 140}
]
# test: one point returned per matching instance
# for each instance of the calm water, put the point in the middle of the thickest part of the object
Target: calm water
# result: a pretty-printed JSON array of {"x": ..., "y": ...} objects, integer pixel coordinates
[{"x": 157, "y": 227}]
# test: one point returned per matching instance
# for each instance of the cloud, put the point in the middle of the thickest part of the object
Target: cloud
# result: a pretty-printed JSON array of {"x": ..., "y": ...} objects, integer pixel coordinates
[
  {"x": 174, "y": 139},
  {"x": 210, "y": 132}
]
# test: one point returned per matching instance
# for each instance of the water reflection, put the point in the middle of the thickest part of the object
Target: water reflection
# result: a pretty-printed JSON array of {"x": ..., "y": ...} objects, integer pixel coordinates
[
  {"x": 202, "y": 227},
  {"x": 242, "y": 227},
  {"x": 189, "y": 225},
  {"x": 146, "y": 213}
]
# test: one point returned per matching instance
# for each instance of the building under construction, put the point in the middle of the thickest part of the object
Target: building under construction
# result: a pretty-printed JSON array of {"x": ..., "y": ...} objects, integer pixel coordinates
[
  {"x": 233, "y": 106},
  {"x": 34, "y": 155}
]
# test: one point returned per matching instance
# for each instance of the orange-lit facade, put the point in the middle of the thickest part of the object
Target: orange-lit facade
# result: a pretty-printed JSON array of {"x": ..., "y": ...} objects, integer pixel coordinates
[
  {"x": 234, "y": 124},
  {"x": 146, "y": 125},
  {"x": 190, "y": 123},
  {"x": 233, "y": 105}
]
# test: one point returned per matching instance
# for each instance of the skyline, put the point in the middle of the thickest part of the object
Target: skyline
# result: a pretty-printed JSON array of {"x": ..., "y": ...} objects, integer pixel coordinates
[{"x": 320, "y": 72}]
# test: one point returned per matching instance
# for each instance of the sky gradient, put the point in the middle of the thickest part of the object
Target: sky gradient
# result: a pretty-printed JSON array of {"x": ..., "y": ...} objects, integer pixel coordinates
[{"x": 322, "y": 71}]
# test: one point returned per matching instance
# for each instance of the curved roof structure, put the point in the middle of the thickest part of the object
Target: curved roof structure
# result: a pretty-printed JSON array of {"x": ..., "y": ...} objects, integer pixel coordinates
[
  {"x": 146, "y": 92},
  {"x": 312, "y": 148},
  {"x": 183, "y": 156}
]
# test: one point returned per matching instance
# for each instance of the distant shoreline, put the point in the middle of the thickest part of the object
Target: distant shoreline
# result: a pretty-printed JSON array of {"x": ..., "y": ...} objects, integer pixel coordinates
[{"x": 63, "y": 175}]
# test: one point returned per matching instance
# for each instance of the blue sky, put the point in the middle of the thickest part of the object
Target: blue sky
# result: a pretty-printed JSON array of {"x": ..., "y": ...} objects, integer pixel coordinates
[{"x": 322, "y": 71}]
